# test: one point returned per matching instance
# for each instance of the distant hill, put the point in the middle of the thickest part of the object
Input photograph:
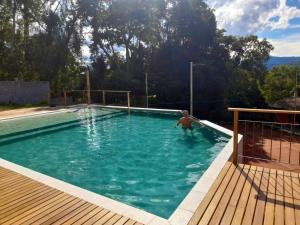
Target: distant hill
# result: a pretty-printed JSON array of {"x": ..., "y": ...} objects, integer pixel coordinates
[
  {"x": 277, "y": 61},
  {"x": 296, "y": 64}
]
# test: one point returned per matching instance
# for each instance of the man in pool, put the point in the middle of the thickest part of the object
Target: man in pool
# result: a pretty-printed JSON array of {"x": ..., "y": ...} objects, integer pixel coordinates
[{"x": 185, "y": 121}]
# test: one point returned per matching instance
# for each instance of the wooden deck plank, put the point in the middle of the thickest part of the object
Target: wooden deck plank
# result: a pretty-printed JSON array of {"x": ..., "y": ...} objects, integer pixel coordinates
[
  {"x": 86, "y": 217},
  {"x": 217, "y": 196},
  {"x": 232, "y": 205},
  {"x": 10, "y": 180},
  {"x": 105, "y": 218},
  {"x": 208, "y": 197},
  {"x": 63, "y": 213},
  {"x": 130, "y": 222},
  {"x": 97, "y": 217},
  {"x": 113, "y": 220},
  {"x": 261, "y": 198},
  {"x": 21, "y": 200},
  {"x": 240, "y": 195},
  {"x": 265, "y": 196},
  {"x": 19, "y": 193},
  {"x": 15, "y": 184},
  {"x": 38, "y": 212},
  {"x": 23, "y": 208},
  {"x": 17, "y": 188},
  {"x": 122, "y": 221},
  {"x": 5, "y": 172},
  {"x": 289, "y": 209},
  {"x": 80, "y": 215},
  {"x": 72, "y": 214},
  {"x": 270, "y": 202},
  {"x": 241, "y": 207},
  {"x": 279, "y": 203},
  {"x": 31, "y": 210},
  {"x": 53, "y": 211},
  {"x": 296, "y": 196},
  {"x": 25, "y": 201},
  {"x": 252, "y": 200},
  {"x": 224, "y": 201}
]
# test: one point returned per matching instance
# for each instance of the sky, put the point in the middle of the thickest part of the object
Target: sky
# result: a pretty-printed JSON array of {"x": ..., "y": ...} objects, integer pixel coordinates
[{"x": 276, "y": 20}]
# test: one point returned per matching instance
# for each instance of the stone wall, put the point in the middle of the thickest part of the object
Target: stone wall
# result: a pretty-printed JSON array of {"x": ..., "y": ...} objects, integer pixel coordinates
[{"x": 24, "y": 92}]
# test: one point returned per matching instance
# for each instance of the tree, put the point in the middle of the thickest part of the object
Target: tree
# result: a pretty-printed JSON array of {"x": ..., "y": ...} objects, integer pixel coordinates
[
  {"x": 247, "y": 70},
  {"x": 280, "y": 83},
  {"x": 43, "y": 40},
  {"x": 125, "y": 25}
]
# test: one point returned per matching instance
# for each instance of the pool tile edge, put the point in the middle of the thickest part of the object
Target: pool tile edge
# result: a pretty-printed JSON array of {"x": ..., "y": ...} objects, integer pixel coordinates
[{"x": 187, "y": 208}]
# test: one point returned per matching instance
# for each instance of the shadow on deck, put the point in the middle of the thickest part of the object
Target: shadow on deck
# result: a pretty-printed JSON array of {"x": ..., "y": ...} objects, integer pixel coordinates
[{"x": 248, "y": 194}]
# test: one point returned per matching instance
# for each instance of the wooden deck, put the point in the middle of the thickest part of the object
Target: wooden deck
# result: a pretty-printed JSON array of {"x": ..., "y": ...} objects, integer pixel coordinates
[
  {"x": 25, "y": 201},
  {"x": 251, "y": 195},
  {"x": 245, "y": 194}
]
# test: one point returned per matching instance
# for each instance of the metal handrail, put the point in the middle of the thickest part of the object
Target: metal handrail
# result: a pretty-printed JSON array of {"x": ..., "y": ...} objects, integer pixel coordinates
[
  {"x": 99, "y": 91},
  {"x": 103, "y": 95},
  {"x": 236, "y": 112}
]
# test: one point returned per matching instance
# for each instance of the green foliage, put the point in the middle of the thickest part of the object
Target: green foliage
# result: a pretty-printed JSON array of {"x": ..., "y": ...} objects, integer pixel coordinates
[
  {"x": 280, "y": 83},
  {"x": 39, "y": 42},
  {"x": 247, "y": 70}
]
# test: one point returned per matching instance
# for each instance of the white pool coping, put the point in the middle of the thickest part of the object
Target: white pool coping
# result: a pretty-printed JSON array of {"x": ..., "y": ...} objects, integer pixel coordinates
[{"x": 180, "y": 216}]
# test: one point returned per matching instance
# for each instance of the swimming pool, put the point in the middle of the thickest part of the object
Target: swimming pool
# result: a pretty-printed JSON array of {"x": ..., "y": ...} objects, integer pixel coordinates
[{"x": 138, "y": 158}]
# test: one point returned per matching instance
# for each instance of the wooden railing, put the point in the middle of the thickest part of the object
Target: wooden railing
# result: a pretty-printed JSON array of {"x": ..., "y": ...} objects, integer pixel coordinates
[
  {"x": 87, "y": 95},
  {"x": 281, "y": 127}
]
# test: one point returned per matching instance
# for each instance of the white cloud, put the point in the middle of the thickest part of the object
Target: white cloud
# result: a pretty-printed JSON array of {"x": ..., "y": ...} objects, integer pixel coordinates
[
  {"x": 289, "y": 46},
  {"x": 242, "y": 17}
]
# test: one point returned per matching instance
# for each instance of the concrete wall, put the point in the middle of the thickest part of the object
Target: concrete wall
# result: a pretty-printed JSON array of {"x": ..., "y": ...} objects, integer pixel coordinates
[{"x": 21, "y": 92}]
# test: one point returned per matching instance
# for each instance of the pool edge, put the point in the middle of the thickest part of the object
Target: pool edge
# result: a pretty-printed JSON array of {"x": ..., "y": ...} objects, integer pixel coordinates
[
  {"x": 189, "y": 205},
  {"x": 182, "y": 214}
]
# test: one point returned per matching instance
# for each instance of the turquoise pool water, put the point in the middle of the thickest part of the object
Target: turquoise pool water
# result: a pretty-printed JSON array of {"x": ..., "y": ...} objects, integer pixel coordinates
[{"x": 140, "y": 158}]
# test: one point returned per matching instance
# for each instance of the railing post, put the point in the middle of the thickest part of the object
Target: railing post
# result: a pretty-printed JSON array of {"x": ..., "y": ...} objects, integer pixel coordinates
[
  {"x": 65, "y": 97},
  {"x": 128, "y": 99},
  {"x": 103, "y": 97},
  {"x": 235, "y": 136}
]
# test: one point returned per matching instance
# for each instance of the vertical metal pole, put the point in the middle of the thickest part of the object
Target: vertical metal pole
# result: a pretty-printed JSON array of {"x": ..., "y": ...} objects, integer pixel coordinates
[
  {"x": 271, "y": 150},
  {"x": 191, "y": 88},
  {"x": 296, "y": 91},
  {"x": 291, "y": 139},
  {"x": 103, "y": 97},
  {"x": 128, "y": 99},
  {"x": 88, "y": 86},
  {"x": 235, "y": 137},
  {"x": 147, "y": 100},
  {"x": 280, "y": 142},
  {"x": 296, "y": 96}
]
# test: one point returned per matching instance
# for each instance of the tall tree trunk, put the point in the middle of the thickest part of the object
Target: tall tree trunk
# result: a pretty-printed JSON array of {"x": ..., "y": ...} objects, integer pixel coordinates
[
  {"x": 14, "y": 10},
  {"x": 26, "y": 18}
]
